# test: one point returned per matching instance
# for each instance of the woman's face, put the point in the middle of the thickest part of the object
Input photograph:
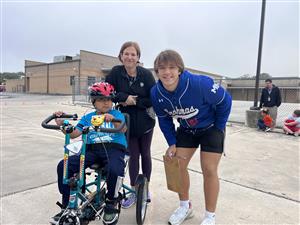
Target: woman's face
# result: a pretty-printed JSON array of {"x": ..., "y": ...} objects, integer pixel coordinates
[
  {"x": 129, "y": 57},
  {"x": 168, "y": 73}
]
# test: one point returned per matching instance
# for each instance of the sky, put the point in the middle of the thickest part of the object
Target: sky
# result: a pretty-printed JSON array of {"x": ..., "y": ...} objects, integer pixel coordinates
[{"x": 214, "y": 36}]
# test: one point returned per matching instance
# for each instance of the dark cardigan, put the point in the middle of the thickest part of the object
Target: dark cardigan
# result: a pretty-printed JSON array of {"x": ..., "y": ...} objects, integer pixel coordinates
[{"x": 140, "y": 121}]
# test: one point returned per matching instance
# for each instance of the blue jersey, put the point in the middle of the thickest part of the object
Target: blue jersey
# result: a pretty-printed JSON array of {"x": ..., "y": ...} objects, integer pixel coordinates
[
  {"x": 101, "y": 137},
  {"x": 196, "y": 103}
]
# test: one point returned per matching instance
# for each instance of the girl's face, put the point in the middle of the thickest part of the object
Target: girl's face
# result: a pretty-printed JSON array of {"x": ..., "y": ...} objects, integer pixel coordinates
[
  {"x": 103, "y": 105},
  {"x": 168, "y": 73},
  {"x": 129, "y": 57}
]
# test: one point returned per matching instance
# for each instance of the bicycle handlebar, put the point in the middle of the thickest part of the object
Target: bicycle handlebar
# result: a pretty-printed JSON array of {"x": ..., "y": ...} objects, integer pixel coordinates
[
  {"x": 112, "y": 130},
  {"x": 74, "y": 117},
  {"x": 53, "y": 116}
]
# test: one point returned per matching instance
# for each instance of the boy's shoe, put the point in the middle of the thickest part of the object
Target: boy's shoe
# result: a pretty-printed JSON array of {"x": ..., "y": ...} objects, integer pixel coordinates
[
  {"x": 127, "y": 203},
  {"x": 181, "y": 214},
  {"x": 55, "y": 219},
  {"x": 111, "y": 212},
  {"x": 208, "y": 221},
  {"x": 268, "y": 129}
]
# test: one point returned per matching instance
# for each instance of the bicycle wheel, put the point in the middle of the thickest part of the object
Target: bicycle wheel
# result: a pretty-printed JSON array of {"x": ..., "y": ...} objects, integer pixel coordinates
[
  {"x": 69, "y": 220},
  {"x": 141, "y": 199}
]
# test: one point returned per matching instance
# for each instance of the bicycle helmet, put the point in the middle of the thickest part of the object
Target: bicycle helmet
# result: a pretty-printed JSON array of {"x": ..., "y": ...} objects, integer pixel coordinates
[{"x": 101, "y": 90}]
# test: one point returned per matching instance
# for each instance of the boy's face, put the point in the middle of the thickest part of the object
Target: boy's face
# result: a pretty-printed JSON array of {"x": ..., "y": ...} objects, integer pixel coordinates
[
  {"x": 104, "y": 104},
  {"x": 263, "y": 113},
  {"x": 168, "y": 73}
]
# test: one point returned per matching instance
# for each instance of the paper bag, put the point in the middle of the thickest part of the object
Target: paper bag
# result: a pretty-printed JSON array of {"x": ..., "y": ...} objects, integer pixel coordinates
[{"x": 172, "y": 170}]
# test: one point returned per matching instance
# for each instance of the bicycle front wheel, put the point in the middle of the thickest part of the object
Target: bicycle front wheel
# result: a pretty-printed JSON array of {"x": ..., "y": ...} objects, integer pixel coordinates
[{"x": 141, "y": 199}]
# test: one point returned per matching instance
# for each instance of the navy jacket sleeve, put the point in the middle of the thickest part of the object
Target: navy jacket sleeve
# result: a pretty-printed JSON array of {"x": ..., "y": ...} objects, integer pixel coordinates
[
  {"x": 278, "y": 103},
  {"x": 165, "y": 121},
  {"x": 219, "y": 99}
]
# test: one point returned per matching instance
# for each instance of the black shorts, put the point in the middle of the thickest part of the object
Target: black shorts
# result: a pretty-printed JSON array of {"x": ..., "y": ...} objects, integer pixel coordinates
[{"x": 211, "y": 139}]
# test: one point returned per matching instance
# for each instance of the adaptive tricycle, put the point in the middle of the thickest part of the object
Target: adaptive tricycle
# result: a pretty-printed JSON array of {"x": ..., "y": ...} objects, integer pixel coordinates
[{"x": 89, "y": 189}]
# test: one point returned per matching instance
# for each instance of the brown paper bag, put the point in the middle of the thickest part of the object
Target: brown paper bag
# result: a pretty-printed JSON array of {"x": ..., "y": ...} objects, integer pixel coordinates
[{"x": 173, "y": 174}]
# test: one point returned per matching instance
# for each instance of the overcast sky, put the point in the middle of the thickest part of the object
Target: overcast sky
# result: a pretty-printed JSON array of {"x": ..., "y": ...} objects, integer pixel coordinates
[{"x": 214, "y": 36}]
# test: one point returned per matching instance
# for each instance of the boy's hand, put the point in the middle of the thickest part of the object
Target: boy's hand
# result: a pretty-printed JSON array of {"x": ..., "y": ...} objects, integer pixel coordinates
[
  {"x": 108, "y": 117},
  {"x": 59, "y": 121},
  {"x": 171, "y": 152}
]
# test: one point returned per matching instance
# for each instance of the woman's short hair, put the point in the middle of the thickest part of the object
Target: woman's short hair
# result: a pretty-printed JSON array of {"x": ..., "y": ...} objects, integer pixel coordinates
[
  {"x": 169, "y": 56},
  {"x": 130, "y": 44}
]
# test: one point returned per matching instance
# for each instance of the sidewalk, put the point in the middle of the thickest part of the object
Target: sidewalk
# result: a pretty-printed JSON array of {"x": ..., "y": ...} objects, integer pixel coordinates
[{"x": 259, "y": 175}]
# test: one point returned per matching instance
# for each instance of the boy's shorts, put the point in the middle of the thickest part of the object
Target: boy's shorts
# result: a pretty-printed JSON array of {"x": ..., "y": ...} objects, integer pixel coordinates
[{"x": 210, "y": 139}]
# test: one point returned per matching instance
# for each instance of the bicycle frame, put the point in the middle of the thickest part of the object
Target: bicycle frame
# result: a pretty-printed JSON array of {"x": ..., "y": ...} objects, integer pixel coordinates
[{"x": 92, "y": 205}]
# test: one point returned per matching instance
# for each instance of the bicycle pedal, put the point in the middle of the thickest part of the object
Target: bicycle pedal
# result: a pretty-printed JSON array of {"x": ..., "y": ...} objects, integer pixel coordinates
[{"x": 59, "y": 205}]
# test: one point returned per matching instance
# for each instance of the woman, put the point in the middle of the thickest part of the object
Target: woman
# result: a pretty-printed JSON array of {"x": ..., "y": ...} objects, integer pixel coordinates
[
  {"x": 133, "y": 84},
  {"x": 202, "y": 109}
]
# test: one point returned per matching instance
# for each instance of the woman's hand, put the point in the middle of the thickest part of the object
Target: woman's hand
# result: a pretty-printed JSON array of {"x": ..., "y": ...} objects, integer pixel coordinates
[
  {"x": 59, "y": 121},
  {"x": 171, "y": 152},
  {"x": 131, "y": 100}
]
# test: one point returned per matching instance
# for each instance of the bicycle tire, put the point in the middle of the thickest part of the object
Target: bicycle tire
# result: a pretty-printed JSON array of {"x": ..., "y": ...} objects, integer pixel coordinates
[{"x": 141, "y": 200}]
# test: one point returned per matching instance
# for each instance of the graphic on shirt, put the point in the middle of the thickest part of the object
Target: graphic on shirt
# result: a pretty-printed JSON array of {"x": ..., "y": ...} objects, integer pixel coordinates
[
  {"x": 183, "y": 113},
  {"x": 99, "y": 137},
  {"x": 215, "y": 87},
  {"x": 192, "y": 122}
]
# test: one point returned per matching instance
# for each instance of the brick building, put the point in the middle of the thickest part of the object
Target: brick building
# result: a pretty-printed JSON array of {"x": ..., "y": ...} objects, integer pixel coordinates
[{"x": 57, "y": 77}]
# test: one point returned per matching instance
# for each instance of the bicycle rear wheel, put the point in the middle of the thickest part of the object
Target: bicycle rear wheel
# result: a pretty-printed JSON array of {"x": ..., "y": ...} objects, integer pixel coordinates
[{"x": 141, "y": 199}]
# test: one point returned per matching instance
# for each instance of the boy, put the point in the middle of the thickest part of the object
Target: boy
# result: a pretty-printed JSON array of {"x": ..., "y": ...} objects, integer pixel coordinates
[
  {"x": 292, "y": 124},
  {"x": 266, "y": 122},
  {"x": 202, "y": 109},
  {"x": 101, "y": 95}
]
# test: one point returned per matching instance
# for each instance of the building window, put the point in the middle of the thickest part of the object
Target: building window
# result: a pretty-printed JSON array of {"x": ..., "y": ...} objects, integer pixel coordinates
[
  {"x": 72, "y": 80},
  {"x": 91, "y": 81}
]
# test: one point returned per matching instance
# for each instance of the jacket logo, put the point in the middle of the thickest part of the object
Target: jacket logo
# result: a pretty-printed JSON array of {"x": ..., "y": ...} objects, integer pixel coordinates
[
  {"x": 215, "y": 87},
  {"x": 183, "y": 113},
  {"x": 160, "y": 100}
]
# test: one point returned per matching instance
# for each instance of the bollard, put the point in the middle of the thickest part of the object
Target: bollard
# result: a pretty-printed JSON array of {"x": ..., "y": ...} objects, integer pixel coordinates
[{"x": 252, "y": 117}]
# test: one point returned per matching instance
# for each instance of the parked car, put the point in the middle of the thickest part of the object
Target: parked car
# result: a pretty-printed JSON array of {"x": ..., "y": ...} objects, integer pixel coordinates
[{"x": 2, "y": 88}]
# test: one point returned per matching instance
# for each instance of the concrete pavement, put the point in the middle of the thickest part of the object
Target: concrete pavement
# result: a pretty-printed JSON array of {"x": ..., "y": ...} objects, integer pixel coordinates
[{"x": 259, "y": 176}]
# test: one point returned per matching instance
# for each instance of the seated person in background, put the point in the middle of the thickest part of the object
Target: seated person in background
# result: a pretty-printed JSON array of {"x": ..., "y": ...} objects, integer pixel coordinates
[
  {"x": 112, "y": 155},
  {"x": 292, "y": 123},
  {"x": 266, "y": 122}
]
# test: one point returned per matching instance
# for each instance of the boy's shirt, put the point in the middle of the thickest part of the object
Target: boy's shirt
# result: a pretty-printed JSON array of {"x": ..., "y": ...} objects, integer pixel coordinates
[
  {"x": 94, "y": 137},
  {"x": 297, "y": 119},
  {"x": 268, "y": 120}
]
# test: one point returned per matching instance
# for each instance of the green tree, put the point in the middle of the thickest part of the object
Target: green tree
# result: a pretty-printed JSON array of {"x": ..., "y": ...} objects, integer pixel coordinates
[{"x": 6, "y": 76}]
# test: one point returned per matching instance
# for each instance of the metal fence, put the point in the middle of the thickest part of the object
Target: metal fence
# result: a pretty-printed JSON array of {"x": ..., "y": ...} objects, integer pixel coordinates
[
  {"x": 242, "y": 99},
  {"x": 80, "y": 87}
]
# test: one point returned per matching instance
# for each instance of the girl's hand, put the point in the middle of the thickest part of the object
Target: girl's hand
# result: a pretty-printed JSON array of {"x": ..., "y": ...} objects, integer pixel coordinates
[
  {"x": 108, "y": 117},
  {"x": 171, "y": 152}
]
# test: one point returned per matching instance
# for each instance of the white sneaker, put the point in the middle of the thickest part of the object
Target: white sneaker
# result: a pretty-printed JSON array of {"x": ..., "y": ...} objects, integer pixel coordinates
[
  {"x": 208, "y": 221},
  {"x": 180, "y": 214}
]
